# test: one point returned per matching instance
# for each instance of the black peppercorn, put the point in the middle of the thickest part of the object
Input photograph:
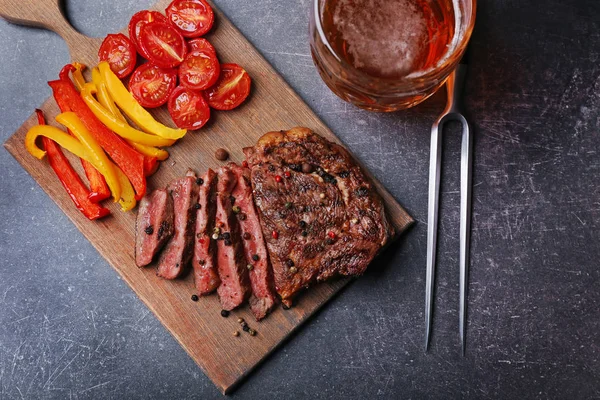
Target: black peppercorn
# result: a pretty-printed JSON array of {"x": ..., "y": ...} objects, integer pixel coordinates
[
  {"x": 302, "y": 224},
  {"x": 194, "y": 297},
  {"x": 232, "y": 199},
  {"x": 227, "y": 242},
  {"x": 271, "y": 168},
  {"x": 242, "y": 216},
  {"x": 226, "y": 235},
  {"x": 255, "y": 257},
  {"x": 329, "y": 241},
  {"x": 245, "y": 328},
  {"x": 197, "y": 206},
  {"x": 149, "y": 230},
  {"x": 199, "y": 181},
  {"x": 304, "y": 233},
  {"x": 289, "y": 263},
  {"x": 224, "y": 313}
]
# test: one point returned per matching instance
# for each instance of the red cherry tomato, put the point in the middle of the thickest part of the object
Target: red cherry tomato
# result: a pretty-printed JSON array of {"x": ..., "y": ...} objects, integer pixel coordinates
[
  {"x": 193, "y": 17},
  {"x": 188, "y": 108},
  {"x": 200, "y": 44},
  {"x": 136, "y": 23},
  {"x": 231, "y": 89},
  {"x": 163, "y": 44},
  {"x": 120, "y": 53},
  {"x": 152, "y": 85},
  {"x": 199, "y": 70}
]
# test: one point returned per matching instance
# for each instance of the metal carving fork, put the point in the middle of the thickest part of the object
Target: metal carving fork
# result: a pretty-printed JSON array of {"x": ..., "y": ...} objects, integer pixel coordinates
[{"x": 454, "y": 86}]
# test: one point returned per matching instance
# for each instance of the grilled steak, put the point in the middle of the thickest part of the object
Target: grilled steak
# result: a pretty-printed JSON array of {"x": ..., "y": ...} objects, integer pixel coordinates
[
  {"x": 177, "y": 254},
  {"x": 320, "y": 214},
  {"x": 262, "y": 299},
  {"x": 206, "y": 277},
  {"x": 154, "y": 225},
  {"x": 234, "y": 288}
]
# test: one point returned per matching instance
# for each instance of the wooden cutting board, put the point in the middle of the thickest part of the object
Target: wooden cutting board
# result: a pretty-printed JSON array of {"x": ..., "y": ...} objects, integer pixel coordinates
[{"x": 273, "y": 105}]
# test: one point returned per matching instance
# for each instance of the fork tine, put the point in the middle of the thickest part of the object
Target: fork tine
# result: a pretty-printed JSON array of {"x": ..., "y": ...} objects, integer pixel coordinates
[
  {"x": 465, "y": 223},
  {"x": 432, "y": 220}
]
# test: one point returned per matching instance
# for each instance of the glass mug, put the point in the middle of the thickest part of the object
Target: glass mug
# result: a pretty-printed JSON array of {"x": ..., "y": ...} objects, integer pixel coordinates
[{"x": 388, "y": 55}]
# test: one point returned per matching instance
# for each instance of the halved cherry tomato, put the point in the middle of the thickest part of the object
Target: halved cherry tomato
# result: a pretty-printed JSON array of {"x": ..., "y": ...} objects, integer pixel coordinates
[
  {"x": 188, "y": 108},
  {"x": 152, "y": 85},
  {"x": 193, "y": 17},
  {"x": 136, "y": 23},
  {"x": 200, "y": 44},
  {"x": 199, "y": 70},
  {"x": 120, "y": 53},
  {"x": 163, "y": 44},
  {"x": 231, "y": 89}
]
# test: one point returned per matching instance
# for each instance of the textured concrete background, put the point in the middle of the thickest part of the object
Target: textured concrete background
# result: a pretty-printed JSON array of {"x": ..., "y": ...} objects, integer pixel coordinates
[{"x": 70, "y": 328}]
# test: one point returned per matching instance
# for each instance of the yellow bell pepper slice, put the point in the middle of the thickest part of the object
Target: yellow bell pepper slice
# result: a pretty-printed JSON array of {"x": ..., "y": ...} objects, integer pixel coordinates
[
  {"x": 51, "y": 132},
  {"x": 127, "y": 200},
  {"x": 150, "y": 151},
  {"x": 99, "y": 158},
  {"x": 78, "y": 76},
  {"x": 103, "y": 96},
  {"x": 109, "y": 104},
  {"x": 118, "y": 126},
  {"x": 127, "y": 103}
]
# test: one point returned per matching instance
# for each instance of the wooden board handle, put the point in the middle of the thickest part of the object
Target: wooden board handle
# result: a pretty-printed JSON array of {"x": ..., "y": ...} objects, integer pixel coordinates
[{"x": 46, "y": 14}]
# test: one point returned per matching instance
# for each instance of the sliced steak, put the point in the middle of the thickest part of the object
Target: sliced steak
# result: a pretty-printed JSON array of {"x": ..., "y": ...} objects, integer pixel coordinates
[
  {"x": 154, "y": 225},
  {"x": 262, "y": 299},
  {"x": 321, "y": 215},
  {"x": 234, "y": 288},
  {"x": 176, "y": 256},
  {"x": 206, "y": 277}
]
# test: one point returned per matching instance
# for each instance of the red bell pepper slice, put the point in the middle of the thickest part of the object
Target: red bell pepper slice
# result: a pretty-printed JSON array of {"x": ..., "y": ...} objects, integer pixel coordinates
[
  {"x": 98, "y": 188},
  {"x": 150, "y": 165},
  {"x": 130, "y": 161},
  {"x": 65, "y": 71},
  {"x": 69, "y": 178}
]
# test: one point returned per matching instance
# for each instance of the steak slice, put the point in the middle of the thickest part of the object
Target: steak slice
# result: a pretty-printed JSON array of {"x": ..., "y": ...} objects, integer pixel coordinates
[
  {"x": 321, "y": 215},
  {"x": 176, "y": 256},
  {"x": 206, "y": 277},
  {"x": 234, "y": 288},
  {"x": 262, "y": 299},
  {"x": 154, "y": 225}
]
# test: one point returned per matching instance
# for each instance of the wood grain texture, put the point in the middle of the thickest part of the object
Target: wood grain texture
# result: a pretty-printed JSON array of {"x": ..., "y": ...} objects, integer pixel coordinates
[{"x": 272, "y": 105}]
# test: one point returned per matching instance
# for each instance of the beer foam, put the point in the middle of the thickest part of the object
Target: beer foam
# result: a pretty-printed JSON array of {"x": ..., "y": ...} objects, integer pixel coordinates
[{"x": 384, "y": 37}]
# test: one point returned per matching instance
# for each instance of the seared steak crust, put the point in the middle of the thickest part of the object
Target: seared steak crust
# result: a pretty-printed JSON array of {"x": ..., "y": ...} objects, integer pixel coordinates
[
  {"x": 320, "y": 214},
  {"x": 204, "y": 263}
]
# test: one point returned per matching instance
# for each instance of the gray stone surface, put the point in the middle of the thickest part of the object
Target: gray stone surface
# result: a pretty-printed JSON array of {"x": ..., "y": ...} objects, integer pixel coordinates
[{"x": 70, "y": 328}]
